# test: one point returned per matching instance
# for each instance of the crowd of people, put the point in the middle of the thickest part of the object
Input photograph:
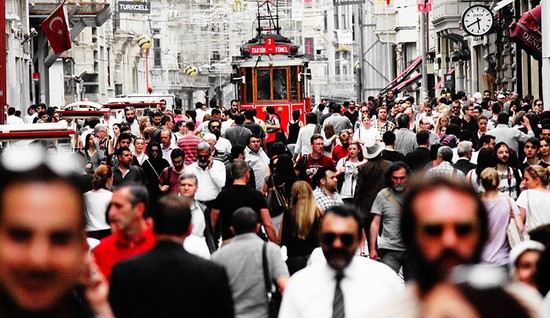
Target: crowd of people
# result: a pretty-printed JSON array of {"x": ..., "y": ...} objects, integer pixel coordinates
[{"x": 383, "y": 208}]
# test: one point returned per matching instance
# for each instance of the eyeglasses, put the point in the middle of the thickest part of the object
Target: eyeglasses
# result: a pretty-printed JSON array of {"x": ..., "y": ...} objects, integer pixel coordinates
[
  {"x": 435, "y": 230},
  {"x": 364, "y": 111},
  {"x": 329, "y": 238},
  {"x": 539, "y": 104},
  {"x": 214, "y": 127}
]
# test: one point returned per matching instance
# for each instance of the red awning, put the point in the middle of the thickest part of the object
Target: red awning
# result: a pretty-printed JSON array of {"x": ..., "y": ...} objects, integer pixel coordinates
[
  {"x": 404, "y": 85},
  {"x": 396, "y": 81},
  {"x": 527, "y": 32},
  {"x": 438, "y": 85}
]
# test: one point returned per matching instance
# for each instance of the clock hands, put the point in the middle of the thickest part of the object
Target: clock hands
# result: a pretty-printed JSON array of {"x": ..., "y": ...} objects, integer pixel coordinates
[{"x": 477, "y": 21}]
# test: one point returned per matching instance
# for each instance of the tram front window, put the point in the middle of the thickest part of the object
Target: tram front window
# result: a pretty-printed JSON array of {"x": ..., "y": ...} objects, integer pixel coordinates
[
  {"x": 264, "y": 87},
  {"x": 279, "y": 84}
]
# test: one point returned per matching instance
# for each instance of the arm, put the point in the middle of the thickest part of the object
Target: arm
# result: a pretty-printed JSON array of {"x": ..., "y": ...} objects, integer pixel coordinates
[
  {"x": 522, "y": 216},
  {"x": 281, "y": 283},
  {"x": 268, "y": 225},
  {"x": 217, "y": 173},
  {"x": 373, "y": 234},
  {"x": 214, "y": 215}
]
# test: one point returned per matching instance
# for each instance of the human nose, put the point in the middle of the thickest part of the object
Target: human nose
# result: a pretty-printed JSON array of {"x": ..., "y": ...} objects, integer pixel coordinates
[
  {"x": 449, "y": 237},
  {"x": 39, "y": 252}
]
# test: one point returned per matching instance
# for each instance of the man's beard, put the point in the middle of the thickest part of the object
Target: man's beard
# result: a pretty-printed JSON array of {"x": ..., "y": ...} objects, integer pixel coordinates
[
  {"x": 502, "y": 162},
  {"x": 398, "y": 188},
  {"x": 216, "y": 133},
  {"x": 430, "y": 273},
  {"x": 130, "y": 120}
]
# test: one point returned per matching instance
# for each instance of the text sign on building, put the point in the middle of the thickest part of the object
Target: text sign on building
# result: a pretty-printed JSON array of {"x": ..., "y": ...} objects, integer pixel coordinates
[
  {"x": 270, "y": 48},
  {"x": 425, "y": 6},
  {"x": 346, "y": 2},
  {"x": 134, "y": 7}
]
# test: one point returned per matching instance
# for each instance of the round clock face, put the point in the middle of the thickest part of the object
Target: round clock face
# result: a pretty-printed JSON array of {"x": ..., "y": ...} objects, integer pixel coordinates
[{"x": 477, "y": 20}]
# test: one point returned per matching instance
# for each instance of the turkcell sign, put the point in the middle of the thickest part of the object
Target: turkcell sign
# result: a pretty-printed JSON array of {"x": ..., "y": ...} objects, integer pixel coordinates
[
  {"x": 346, "y": 2},
  {"x": 134, "y": 7}
]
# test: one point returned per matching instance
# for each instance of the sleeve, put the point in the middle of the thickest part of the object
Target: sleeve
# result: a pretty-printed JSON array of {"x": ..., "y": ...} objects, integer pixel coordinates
[
  {"x": 116, "y": 294},
  {"x": 298, "y": 147},
  {"x": 217, "y": 173},
  {"x": 289, "y": 307},
  {"x": 378, "y": 205},
  {"x": 277, "y": 267},
  {"x": 340, "y": 164},
  {"x": 163, "y": 176},
  {"x": 522, "y": 199}
]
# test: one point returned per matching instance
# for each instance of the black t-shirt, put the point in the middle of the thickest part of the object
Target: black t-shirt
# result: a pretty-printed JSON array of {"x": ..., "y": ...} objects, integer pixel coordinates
[
  {"x": 392, "y": 155},
  {"x": 233, "y": 198}
]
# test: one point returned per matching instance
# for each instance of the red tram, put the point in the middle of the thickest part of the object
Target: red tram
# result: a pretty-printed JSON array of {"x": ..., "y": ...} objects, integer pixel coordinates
[{"x": 269, "y": 71}]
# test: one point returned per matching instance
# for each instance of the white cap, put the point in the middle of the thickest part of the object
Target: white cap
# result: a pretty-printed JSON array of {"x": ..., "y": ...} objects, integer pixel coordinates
[
  {"x": 523, "y": 247},
  {"x": 501, "y": 96}
]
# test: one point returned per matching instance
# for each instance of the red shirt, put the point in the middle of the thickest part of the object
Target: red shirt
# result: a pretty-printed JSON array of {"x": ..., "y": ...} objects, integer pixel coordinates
[
  {"x": 339, "y": 152},
  {"x": 114, "y": 248}
]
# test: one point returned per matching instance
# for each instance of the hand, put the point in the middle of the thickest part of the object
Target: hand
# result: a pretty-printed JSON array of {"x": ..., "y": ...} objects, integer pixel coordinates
[
  {"x": 526, "y": 122},
  {"x": 96, "y": 288},
  {"x": 373, "y": 254},
  {"x": 210, "y": 162},
  {"x": 164, "y": 188}
]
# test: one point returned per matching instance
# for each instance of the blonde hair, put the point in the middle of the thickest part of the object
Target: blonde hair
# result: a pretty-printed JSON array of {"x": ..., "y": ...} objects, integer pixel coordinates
[
  {"x": 303, "y": 209},
  {"x": 537, "y": 171},
  {"x": 489, "y": 178},
  {"x": 438, "y": 124}
]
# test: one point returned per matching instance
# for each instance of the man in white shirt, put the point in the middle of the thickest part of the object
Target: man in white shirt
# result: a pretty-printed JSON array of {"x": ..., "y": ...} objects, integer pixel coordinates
[
  {"x": 346, "y": 285},
  {"x": 258, "y": 160},
  {"x": 12, "y": 119},
  {"x": 210, "y": 172},
  {"x": 303, "y": 143}
]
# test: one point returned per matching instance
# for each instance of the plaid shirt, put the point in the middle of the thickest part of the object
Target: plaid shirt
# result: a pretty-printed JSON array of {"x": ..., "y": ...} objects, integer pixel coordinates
[
  {"x": 444, "y": 169},
  {"x": 388, "y": 126},
  {"x": 324, "y": 201}
]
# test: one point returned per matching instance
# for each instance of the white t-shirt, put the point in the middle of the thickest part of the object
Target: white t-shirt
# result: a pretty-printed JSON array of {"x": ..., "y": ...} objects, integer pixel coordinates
[
  {"x": 536, "y": 203},
  {"x": 350, "y": 177},
  {"x": 97, "y": 203}
]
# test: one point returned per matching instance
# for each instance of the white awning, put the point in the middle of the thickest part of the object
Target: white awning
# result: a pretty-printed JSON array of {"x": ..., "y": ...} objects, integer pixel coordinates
[{"x": 502, "y": 4}]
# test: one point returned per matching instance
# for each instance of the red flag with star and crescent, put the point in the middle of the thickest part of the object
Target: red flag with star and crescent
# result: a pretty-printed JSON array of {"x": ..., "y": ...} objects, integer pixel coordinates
[{"x": 56, "y": 28}]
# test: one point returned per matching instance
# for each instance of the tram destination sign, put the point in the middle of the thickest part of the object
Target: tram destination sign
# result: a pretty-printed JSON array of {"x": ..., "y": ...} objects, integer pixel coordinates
[
  {"x": 269, "y": 48},
  {"x": 134, "y": 7},
  {"x": 346, "y": 2}
]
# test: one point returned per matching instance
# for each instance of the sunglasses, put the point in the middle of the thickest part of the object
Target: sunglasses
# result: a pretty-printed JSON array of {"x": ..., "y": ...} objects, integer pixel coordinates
[
  {"x": 329, "y": 238},
  {"x": 435, "y": 230},
  {"x": 154, "y": 150},
  {"x": 215, "y": 127}
]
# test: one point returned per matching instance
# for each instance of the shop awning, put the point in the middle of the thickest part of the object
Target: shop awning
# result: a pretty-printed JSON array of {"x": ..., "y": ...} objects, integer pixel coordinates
[
  {"x": 438, "y": 85},
  {"x": 527, "y": 32},
  {"x": 502, "y": 4},
  {"x": 405, "y": 84},
  {"x": 403, "y": 76}
]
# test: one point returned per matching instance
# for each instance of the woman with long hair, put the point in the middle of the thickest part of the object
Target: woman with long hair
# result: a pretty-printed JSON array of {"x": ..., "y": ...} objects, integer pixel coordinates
[
  {"x": 93, "y": 154},
  {"x": 113, "y": 141},
  {"x": 534, "y": 200},
  {"x": 499, "y": 211},
  {"x": 273, "y": 126},
  {"x": 97, "y": 202},
  {"x": 366, "y": 134},
  {"x": 442, "y": 121},
  {"x": 347, "y": 170},
  {"x": 299, "y": 230},
  {"x": 330, "y": 139},
  {"x": 283, "y": 175},
  {"x": 144, "y": 122}
]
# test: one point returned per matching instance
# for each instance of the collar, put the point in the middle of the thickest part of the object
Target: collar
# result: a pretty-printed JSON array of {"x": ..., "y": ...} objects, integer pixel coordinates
[
  {"x": 123, "y": 242},
  {"x": 246, "y": 237}
]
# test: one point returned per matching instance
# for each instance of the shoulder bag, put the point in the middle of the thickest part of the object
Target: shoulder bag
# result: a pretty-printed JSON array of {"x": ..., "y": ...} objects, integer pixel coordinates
[
  {"x": 274, "y": 296},
  {"x": 276, "y": 199},
  {"x": 512, "y": 232}
]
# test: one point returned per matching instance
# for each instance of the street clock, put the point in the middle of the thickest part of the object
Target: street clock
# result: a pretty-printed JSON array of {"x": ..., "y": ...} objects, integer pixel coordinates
[{"x": 477, "y": 20}]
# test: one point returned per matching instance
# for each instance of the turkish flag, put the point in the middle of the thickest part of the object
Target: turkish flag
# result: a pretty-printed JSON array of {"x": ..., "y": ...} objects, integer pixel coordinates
[{"x": 56, "y": 29}]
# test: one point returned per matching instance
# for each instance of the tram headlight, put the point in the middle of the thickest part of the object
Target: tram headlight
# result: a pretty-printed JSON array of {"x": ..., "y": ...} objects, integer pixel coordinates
[
  {"x": 293, "y": 49},
  {"x": 245, "y": 51}
]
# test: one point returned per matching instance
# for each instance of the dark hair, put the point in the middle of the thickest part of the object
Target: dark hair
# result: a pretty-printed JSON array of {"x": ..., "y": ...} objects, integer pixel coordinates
[
  {"x": 177, "y": 152},
  {"x": 250, "y": 137},
  {"x": 215, "y": 111},
  {"x": 296, "y": 114},
  {"x": 496, "y": 108},
  {"x": 239, "y": 119},
  {"x": 422, "y": 137},
  {"x": 534, "y": 141},
  {"x": 403, "y": 121},
  {"x": 493, "y": 302},
  {"x": 244, "y": 220},
  {"x": 398, "y": 165},
  {"x": 388, "y": 137},
  {"x": 345, "y": 211},
  {"x": 165, "y": 119},
  {"x": 211, "y": 121},
  {"x": 503, "y": 118},
  {"x": 236, "y": 151},
  {"x": 485, "y": 159},
  {"x": 284, "y": 170},
  {"x": 360, "y": 154},
  {"x": 151, "y": 145},
  {"x": 485, "y": 139},
  {"x": 453, "y": 129},
  {"x": 137, "y": 194},
  {"x": 321, "y": 173},
  {"x": 87, "y": 141},
  {"x": 172, "y": 216},
  {"x": 314, "y": 137},
  {"x": 120, "y": 150},
  {"x": 248, "y": 114},
  {"x": 311, "y": 118}
]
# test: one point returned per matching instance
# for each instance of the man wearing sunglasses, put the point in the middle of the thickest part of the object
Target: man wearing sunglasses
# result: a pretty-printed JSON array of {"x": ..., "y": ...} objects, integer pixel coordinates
[{"x": 346, "y": 284}]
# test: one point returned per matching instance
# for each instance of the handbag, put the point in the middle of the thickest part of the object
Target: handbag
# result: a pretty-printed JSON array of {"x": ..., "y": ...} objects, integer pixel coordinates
[
  {"x": 276, "y": 199},
  {"x": 274, "y": 296},
  {"x": 512, "y": 232}
]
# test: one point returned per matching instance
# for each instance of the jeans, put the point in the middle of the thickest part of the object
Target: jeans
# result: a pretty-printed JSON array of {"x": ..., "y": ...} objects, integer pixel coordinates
[{"x": 396, "y": 259}]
